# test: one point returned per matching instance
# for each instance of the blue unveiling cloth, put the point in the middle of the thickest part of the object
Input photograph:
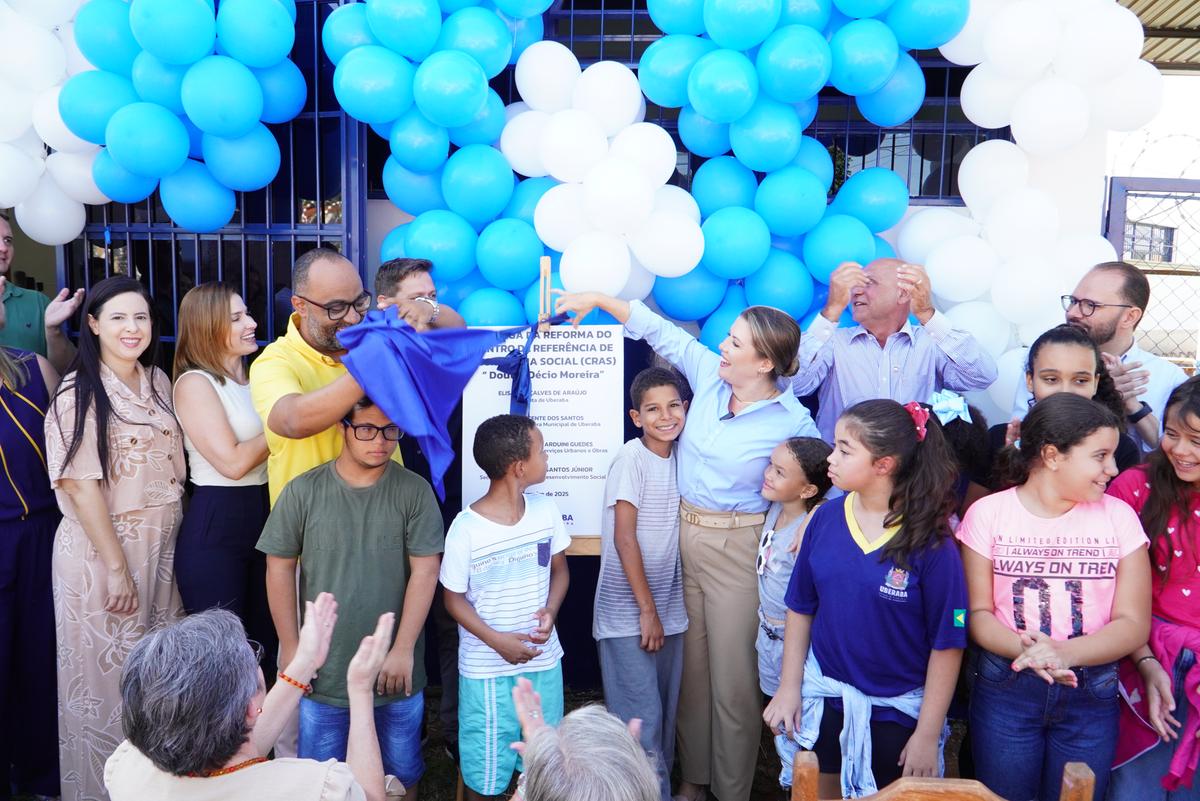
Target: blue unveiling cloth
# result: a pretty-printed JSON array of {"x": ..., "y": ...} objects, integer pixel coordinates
[{"x": 418, "y": 379}]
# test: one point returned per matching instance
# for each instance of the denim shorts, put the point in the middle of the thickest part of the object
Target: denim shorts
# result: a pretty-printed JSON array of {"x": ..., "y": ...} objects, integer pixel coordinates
[{"x": 324, "y": 729}]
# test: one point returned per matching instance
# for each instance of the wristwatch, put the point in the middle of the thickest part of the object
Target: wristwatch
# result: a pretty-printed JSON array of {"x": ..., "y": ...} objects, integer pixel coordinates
[
  {"x": 437, "y": 307},
  {"x": 1141, "y": 413}
]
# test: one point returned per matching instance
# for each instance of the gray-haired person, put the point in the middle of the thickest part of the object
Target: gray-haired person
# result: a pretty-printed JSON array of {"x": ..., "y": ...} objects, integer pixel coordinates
[{"x": 200, "y": 723}]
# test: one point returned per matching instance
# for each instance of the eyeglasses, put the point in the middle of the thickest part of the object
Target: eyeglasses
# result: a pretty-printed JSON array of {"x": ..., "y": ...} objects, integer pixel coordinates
[
  {"x": 367, "y": 432},
  {"x": 338, "y": 309},
  {"x": 1088, "y": 307},
  {"x": 257, "y": 648},
  {"x": 764, "y": 551}
]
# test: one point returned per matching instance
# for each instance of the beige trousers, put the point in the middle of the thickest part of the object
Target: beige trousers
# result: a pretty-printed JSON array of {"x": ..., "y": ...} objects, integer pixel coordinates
[{"x": 720, "y": 705}]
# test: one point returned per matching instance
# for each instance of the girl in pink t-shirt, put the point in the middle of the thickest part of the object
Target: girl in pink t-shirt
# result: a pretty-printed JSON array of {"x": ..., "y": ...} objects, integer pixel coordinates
[
  {"x": 1166, "y": 494},
  {"x": 1059, "y": 586}
]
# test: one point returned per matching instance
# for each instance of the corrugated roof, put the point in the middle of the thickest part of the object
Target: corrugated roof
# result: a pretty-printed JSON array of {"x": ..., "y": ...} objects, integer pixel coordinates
[{"x": 1172, "y": 32}]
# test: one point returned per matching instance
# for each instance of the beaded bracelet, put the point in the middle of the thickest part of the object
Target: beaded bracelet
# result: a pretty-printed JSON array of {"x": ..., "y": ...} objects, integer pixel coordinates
[
  {"x": 304, "y": 688},
  {"x": 1144, "y": 658}
]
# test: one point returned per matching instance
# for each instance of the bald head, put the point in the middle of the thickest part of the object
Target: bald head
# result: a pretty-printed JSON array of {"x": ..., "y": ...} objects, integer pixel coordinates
[
  {"x": 326, "y": 289},
  {"x": 320, "y": 259}
]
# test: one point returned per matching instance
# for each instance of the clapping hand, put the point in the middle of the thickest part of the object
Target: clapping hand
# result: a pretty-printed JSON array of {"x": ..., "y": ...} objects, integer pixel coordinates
[
  {"x": 1131, "y": 381},
  {"x": 913, "y": 279},
  {"x": 1041, "y": 655},
  {"x": 372, "y": 651},
  {"x": 845, "y": 279},
  {"x": 62, "y": 308},
  {"x": 320, "y": 616}
]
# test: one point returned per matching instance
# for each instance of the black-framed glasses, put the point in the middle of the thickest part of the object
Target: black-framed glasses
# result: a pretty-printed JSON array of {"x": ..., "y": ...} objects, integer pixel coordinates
[
  {"x": 257, "y": 648},
  {"x": 338, "y": 309},
  {"x": 1088, "y": 307},
  {"x": 367, "y": 432}
]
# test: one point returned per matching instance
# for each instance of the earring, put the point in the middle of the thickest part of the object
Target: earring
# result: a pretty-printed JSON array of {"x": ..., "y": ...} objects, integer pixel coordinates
[{"x": 260, "y": 710}]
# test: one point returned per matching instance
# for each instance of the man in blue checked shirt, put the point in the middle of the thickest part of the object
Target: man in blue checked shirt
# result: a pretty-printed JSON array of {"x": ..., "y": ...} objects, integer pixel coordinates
[{"x": 885, "y": 355}]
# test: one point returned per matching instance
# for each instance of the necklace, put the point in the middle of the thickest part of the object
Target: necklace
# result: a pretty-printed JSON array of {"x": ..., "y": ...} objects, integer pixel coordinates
[
  {"x": 747, "y": 403},
  {"x": 226, "y": 771}
]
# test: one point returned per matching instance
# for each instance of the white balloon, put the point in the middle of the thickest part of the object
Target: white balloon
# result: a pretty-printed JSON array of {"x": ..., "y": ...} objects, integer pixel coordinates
[
  {"x": 49, "y": 216},
  {"x": 1050, "y": 117},
  {"x": 928, "y": 228},
  {"x": 617, "y": 196},
  {"x": 1130, "y": 100},
  {"x": 966, "y": 49},
  {"x": 45, "y": 13},
  {"x": 16, "y": 111},
  {"x": 1068, "y": 10},
  {"x": 521, "y": 141},
  {"x": 19, "y": 174},
  {"x": 988, "y": 96},
  {"x": 1049, "y": 314},
  {"x": 640, "y": 283},
  {"x": 31, "y": 144},
  {"x": 572, "y": 143},
  {"x": 648, "y": 146},
  {"x": 990, "y": 169},
  {"x": 1099, "y": 45},
  {"x": 32, "y": 58},
  {"x": 546, "y": 74},
  {"x": 1010, "y": 369},
  {"x": 981, "y": 320},
  {"x": 962, "y": 268},
  {"x": 641, "y": 114},
  {"x": 1020, "y": 292},
  {"x": 675, "y": 199},
  {"x": 559, "y": 217},
  {"x": 1022, "y": 38},
  {"x": 76, "y": 61},
  {"x": 50, "y": 126},
  {"x": 1074, "y": 254},
  {"x": 596, "y": 262},
  {"x": 513, "y": 109},
  {"x": 669, "y": 244},
  {"x": 1021, "y": 221},
  {"x": 610, "y": 92},
  {"x": 73, "y": 174}
]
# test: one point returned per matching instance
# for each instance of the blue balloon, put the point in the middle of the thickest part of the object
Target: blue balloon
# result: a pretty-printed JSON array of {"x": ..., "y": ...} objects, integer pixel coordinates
[
  {"x": 691, "y": 296},
  {"x": 410, "y": 191},
  {"x": 845, "y": 321},
  {"x": 247, "y": 163},
  {"x": 392, "y": 246},
  {"x": 865, "y": 53},
  {"x": 492, "y": 306},
  {"x": 876, "y": 196},
  {"x": 806, "y": 111},
  {"x": 195, "y": 139},
  {"x": 477, "y": 183},
  {"x": 722, "y": 86},
  {"x": 702, "y": 136},
  {"x": 677, "y": 16},
  {"x": 883, "y": 248},
  {"x": 88, "y": 101},
  {"x": 453, "y": 293},
  {"x": 813, "y": 13},
  {"x": 926, "y": 24},
  {"x": 417, "y": 144},
  {"x": 410, "y": 27},
  {"x": 158, "y": 82},
  {"x": 791, "y": 201},
  {"x": 509, "y": 253},
  {"x": 485, "y": 128},
  {"x": 836, "y": 239},
  {"x": 288, "y": 5},
  {"x": 523, "y": 9},
  {"x": 723, "y": 182},
  {"x": 741, "y": 24},
  {"x": 899, "y": 99},
  {"x": 450, "y": 88},
  {"x": 767, "y": 137},
  {"x": 447, "y": 240},
  {"x": 815, "y": 158},
  {"x": 345, "y": 29},
  {"x": 195, "y": 200},
  {"x": 222, "y": 96},
  {"x": 859, "y": 9},
  {"x": 664, "y": 67},
  {"x": 450, "y": 6},
  {"x": 525, "y": 198},
  {"x": 284, "y": 91},
  {"x": 481, "y": 34},
  {"x": 119, "y": 183},
  {"x": 837, "y": 21},
  {"x": 736, "y": 242},
  {"x": 147, "y": 140},
  {"x": 789, "y": 244},
  {"x": 525, "y": 31},
  {"x": 175, "y": 32},
  {"x": 716, "y": 327},
  {"x": 103, "y": 35},
  {"x": 793, "y": 64},
  {"x": 532, "y": 308},
  {"x": 783, "y": 282},
  {"x": 373, "y": 84}
]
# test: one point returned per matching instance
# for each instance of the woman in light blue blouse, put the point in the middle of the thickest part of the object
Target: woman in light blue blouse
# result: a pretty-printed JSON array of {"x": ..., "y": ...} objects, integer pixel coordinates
[{"x": 740, "y": 411}]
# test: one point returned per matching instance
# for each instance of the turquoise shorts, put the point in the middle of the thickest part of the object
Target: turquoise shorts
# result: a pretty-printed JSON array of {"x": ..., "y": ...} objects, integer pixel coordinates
[{"x": 488, "y": 725}]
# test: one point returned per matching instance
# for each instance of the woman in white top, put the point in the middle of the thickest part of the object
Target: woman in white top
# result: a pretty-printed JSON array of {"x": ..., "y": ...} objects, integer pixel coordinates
[{"x": 216, "y": 564}]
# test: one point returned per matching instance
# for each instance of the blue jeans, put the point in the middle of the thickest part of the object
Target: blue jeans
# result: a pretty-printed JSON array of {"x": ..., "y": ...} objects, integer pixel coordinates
[
  {"x": 1024, "y": 731},
  {"x": 324, "y": 729},
  {"x": 1139, "y": 780}
]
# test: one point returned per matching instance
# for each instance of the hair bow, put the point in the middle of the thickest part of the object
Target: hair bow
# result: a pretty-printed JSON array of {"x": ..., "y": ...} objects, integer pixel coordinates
[
  {"x": 920, "y": 416},
  {"x": 950, "y": 406}
]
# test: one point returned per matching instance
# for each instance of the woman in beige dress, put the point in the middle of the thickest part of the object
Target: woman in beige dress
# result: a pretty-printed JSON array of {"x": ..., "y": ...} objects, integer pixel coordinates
[{"x": 115, "y": 457}]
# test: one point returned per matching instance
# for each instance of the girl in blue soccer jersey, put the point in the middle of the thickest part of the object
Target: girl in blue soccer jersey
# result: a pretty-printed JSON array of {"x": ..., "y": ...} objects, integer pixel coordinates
[{"x": 878, "y": 592}]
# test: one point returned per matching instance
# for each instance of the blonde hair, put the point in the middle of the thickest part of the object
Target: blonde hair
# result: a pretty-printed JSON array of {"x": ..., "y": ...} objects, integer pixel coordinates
[
  {"x": 775, "y": 336},
  {"x": 204, "y": 330},
  {"x": 13, "y": 371}
]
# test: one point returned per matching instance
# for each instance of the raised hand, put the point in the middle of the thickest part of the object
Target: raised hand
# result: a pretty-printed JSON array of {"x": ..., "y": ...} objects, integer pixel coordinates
[
  {"x": 320, "y": 616},
  {"x": 842, "y": 283},
  {"x": 369, "y": 658},
  {"x": 61, "y": 309},
  {"x": 913, "y": 279}
]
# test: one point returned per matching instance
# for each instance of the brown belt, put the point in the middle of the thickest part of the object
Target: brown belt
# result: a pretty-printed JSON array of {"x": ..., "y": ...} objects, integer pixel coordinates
[{"x": 709, "y": 518}]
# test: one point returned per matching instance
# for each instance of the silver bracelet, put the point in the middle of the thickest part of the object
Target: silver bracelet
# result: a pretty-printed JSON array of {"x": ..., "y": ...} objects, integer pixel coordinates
[{"x": 437, "y": 307}]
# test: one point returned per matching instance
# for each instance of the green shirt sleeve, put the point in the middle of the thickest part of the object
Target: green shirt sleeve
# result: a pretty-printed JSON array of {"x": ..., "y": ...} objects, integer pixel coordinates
[
  {"x": 283, "y": 534},
  {"x": 424, "y": 533}
]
